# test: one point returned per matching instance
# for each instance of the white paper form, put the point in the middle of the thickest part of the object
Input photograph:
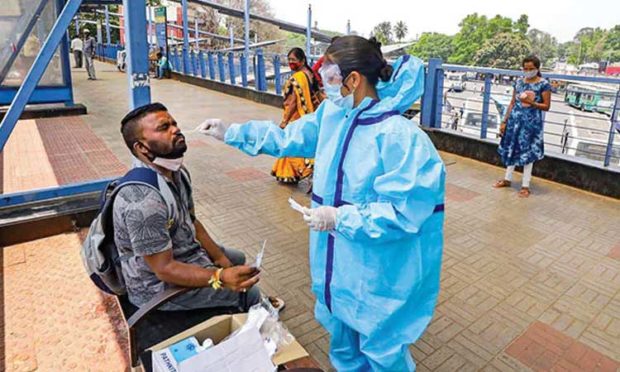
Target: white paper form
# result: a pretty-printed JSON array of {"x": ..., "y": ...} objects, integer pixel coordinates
[{"x": 244, "y": 352}]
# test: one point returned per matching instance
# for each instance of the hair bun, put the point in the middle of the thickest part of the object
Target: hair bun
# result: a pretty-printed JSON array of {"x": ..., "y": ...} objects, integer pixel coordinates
[
  {"x": 386, "y": 72},
  {"x": 373, "y": 40}
]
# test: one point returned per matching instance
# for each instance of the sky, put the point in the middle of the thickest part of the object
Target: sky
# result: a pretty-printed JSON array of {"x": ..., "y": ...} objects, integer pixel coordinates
[{"x": 561, "y": 18}]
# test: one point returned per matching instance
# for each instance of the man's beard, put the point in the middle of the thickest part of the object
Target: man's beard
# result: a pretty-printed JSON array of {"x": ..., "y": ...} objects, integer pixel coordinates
[{"x": 178, "y": 149}]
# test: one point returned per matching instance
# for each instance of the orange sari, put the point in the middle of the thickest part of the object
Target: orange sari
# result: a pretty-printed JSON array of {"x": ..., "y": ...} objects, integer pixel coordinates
[{"x": 298, "y": 101}]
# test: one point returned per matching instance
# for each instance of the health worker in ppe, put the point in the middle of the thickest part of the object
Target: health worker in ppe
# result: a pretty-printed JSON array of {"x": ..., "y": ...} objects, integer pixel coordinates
[{"x": 377, "y": 203}]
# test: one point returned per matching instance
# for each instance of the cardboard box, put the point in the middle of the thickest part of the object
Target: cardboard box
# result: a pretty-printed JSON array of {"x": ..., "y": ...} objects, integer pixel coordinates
[{"x": 217, "y": 328}]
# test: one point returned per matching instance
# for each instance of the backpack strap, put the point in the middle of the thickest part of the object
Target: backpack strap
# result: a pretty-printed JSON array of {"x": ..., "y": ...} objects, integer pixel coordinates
[{"x": 147, "y": 177}]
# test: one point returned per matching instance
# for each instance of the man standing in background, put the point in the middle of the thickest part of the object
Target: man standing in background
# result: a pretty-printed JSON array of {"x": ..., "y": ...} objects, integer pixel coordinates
[
  {"x": 90, "y": 46},
  {"x": 77, "y": 46}
]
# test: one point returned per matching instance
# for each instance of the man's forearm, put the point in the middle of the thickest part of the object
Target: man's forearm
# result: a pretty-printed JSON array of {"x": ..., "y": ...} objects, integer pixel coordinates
[{"x": 185, "y": 275}]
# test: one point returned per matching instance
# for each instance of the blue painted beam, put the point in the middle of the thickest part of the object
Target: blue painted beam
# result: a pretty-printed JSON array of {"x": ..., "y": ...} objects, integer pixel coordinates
[
  {"x": 52, "y": 94},
  {"x": 37, "y": 70},
  {"x": 8, "y": 200},
  {"x": 137, "y": 53}
]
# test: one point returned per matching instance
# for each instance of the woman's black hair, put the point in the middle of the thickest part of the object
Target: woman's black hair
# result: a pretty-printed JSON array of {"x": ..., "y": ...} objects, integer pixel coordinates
[
  {"x": 355, "y": 53},
  {"x": 534, "y": 60},
  {"x": 300, "y": 55}
]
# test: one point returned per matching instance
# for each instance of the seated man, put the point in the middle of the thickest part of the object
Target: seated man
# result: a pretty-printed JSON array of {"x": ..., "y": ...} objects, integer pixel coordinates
[
  {"x": 179, "y": 252},
  {"x": 163, "y": 67}
]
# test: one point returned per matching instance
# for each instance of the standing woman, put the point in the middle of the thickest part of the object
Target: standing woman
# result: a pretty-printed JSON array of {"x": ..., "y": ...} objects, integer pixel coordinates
[
  {"x": 300, "y": 94},
  {"x": 377, "y": 203},
  {"x": 522, "y": 134}
]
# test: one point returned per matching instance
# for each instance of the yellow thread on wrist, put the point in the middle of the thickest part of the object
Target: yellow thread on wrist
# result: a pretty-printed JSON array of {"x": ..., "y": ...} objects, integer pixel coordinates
[{"x": 215, "y": 281}]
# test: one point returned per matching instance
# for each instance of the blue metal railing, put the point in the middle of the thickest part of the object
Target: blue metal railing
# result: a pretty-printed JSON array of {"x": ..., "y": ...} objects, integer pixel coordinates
[
  {"x": 264, "y": 72},
  {"x": 473, "y": 110},
  {"x": 108, "y": 52}
]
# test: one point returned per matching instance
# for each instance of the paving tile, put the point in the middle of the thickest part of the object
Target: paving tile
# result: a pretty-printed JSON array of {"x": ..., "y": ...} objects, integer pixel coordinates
[{"x": 543, "y": 348}]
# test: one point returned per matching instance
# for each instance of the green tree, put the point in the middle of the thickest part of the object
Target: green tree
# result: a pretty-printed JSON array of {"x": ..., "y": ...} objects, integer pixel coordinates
[
  {"x": 400, "y": 30},
  {"x": 522, "y": 24},
  {"x": 612, "y": 45},
  {"x": 498, "y": 25},
  {"x": 383, "y": 32},
  {"x": 505, "y": 50},
  {"x": 564, "y": 50},
  {"x": 469, "y": 39},
  {"x": 431, "y": 45},
  {"x": 589, "y": 45},
  {"x": 543, "y": 44}
]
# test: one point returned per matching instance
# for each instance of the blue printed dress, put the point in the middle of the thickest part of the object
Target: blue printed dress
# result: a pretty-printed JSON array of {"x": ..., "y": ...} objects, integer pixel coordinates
[{"x": 523, "y": 142}]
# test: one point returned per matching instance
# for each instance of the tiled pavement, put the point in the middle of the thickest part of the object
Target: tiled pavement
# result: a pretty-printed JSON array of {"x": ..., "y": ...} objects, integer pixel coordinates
[{"x": 526, "y": 284}]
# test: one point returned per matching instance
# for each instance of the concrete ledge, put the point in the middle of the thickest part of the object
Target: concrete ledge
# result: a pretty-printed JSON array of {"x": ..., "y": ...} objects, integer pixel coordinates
[
  {"x": 265, "y": 98},
  {"x": 38, "y": 220},
  {"x": 554, "y": 167},
  {"x": 47, "y": 111}
]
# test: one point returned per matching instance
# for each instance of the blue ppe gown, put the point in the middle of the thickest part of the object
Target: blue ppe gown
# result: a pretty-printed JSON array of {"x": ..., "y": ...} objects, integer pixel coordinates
[{"x": 376, "y": 277}]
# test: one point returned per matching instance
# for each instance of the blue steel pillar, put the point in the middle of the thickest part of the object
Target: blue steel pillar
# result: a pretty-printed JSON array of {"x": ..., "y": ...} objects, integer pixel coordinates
[
  {"x": 244, "y": 70},
  {"x": 137, "y": 52},
  {"x": 220, "y": 67},
  {"x": 438, "y": 98},
  {"x": 259, "y": 74},
  {"x": 430, "y": 92},
  {"x": 614, "y": 125},
  {"x": 196, "y": 43},
  {"x": 211, "y": 65},
  {"x": 108, "y": 34},
  {"x": 486, "y": 99},
  {"x": 150, "y": 24},
  {"x": 186, "y": 66},
  {"x": 246, "y": 28},
  {"x": 231, "y": 67},
  {"x": 278, "y": 76},
  {"x": 203, "y": 65},
  {"x": 309, "y": 33}
]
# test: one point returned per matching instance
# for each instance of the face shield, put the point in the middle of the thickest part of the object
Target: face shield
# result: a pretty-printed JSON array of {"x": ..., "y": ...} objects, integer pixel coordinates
[
  {"x": 332, "y": 83},
  {"x": 331, "y": 74}
]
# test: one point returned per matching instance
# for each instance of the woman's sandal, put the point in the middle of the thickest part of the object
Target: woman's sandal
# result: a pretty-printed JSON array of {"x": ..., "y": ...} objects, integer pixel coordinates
[
  {"x": 524, "y": 192},
  {"x": 501, "y": 183}
]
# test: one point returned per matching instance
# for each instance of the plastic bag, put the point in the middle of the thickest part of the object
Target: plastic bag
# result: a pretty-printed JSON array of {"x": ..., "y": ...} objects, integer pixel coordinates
[{"x": 265, "y": 318}]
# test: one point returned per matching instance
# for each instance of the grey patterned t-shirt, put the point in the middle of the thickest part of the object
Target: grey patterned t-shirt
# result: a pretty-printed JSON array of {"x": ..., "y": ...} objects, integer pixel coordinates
[{"x": 141, "y": 228}]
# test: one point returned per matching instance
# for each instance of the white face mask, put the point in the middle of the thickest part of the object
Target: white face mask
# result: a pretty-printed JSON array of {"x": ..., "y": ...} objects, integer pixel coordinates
[
  {"x": 170, "y": 164},
  {"x": 530, "y": 74},
  {"x": 334, "y": 95}
]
